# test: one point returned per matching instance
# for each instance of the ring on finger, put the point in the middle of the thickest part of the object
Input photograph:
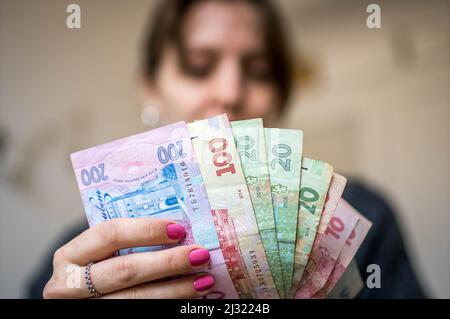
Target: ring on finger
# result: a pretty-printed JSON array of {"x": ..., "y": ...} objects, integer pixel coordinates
[{"x": 89, "y": 284}]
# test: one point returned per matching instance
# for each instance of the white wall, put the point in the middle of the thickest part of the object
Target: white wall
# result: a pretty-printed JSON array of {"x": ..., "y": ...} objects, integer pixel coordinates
[{"x": 368, "y": 113}]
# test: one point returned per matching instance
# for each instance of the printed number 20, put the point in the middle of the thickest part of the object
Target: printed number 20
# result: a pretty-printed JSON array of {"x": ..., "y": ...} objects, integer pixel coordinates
[
  {"x": 281, "y": 151},
  {"x": 307, "y": 197}
]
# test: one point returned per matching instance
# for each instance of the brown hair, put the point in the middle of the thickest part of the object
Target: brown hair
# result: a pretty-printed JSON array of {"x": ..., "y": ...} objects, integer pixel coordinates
[{"x": 165, "y": 28}]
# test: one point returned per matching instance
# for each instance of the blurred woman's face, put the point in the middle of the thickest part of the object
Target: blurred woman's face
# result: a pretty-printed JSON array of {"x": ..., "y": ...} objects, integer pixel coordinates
[{"x": 223, "y": 67}]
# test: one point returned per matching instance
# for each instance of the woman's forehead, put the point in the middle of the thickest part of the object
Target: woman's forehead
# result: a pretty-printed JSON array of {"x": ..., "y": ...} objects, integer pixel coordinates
[{"x": 222, "y": 25}]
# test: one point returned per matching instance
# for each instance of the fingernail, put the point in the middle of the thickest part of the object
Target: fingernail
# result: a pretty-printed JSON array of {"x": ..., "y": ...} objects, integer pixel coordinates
[
  {"x": 204, "y": 282},
  {"x": 175, "y": 231},
  {"x": 198, "y": 257}
]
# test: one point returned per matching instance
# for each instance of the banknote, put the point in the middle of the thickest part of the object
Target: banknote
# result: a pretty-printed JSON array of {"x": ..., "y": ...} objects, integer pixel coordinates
[
  {"x": 152, "y": 175},
  {"x": 325, "y": 253},
  {"x": 350, "y": 284},
  {"x": 334, "y": 194},
  {"x": 314, "y": 183},
  {"x": 284, "y": 149},
  {"x": 347, "y": 253},
  {"x": 251, "y": 145},
  {"x": 220, "y": 166}
]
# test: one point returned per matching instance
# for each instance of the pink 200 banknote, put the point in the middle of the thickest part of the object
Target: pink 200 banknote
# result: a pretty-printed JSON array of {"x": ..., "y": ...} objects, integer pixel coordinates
[{"x": 152, "y": 174}]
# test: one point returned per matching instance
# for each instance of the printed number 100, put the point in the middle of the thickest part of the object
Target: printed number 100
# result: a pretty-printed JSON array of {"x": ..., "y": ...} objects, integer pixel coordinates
[{"x": 221, "y": 158}]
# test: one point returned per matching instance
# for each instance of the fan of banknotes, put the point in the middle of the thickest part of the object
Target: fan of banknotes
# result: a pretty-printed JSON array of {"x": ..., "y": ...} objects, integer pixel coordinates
[{"x": 273, "y": 220}]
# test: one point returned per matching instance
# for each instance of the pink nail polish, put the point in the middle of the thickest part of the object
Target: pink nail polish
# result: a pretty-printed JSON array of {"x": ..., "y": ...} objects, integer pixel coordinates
[
  {"x": 175, "y": 231},
  {"x": 198, "y": 257},
  {"x": 204, "y": 282}
]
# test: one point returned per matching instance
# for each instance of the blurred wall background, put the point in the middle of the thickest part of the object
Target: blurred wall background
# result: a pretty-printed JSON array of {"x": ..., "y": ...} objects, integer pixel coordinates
[{"x": 376, "y": 106}]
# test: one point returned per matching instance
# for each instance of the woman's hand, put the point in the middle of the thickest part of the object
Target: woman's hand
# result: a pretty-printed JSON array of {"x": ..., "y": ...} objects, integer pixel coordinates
[{"x": 130, "y": 276}]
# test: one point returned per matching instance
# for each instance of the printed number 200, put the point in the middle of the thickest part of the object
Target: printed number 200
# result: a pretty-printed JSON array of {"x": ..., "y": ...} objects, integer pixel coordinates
[
  {"x": 171, "y": 153},
  {"x": 96, "y": 174}
]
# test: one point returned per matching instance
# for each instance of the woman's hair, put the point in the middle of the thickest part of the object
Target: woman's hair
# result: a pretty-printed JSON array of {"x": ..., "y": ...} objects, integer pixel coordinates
[{"x": 167, "y": 23}]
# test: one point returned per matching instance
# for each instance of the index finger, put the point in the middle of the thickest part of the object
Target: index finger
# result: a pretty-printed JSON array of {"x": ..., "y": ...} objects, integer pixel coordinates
[{"x": 102, "y": 240}]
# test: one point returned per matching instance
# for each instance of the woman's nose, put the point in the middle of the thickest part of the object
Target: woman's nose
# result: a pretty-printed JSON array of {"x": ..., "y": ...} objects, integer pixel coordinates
[{"x": 228, "y": 87}]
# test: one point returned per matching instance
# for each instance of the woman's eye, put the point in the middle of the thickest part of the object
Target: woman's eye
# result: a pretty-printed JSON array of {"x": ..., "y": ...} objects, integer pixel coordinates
[
  {"x": 198, "y": 71},
  {"x": 259, "y": 71},
  {"x": 261, "y": 75}
]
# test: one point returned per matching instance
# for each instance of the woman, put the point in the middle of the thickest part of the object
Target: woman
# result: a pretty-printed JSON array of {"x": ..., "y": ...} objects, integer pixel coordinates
[{"x": 204, "y": 58}]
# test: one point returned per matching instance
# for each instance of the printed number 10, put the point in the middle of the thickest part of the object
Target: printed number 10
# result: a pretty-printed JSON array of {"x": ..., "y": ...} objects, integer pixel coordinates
[{"x": 335, "y": 227}]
